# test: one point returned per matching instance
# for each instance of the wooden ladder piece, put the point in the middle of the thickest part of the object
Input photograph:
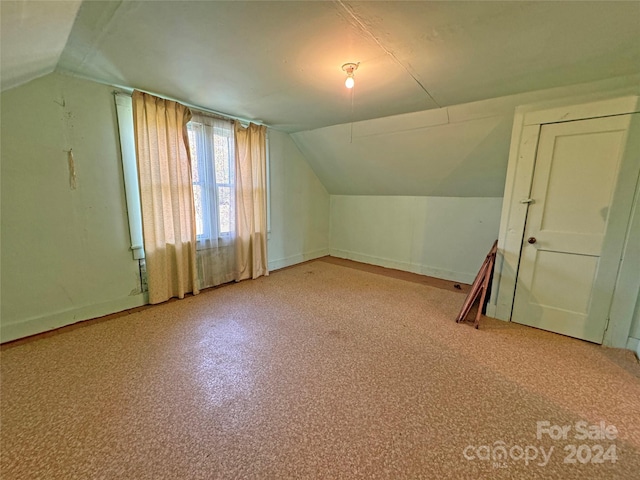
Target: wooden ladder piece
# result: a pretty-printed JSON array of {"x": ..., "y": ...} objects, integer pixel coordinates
[{"x": 479, "y": 287}]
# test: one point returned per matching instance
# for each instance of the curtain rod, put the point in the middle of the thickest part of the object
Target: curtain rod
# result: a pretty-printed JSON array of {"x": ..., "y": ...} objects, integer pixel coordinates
[
  {"x": 129, "y": 90},
  {"x": 194, "y": 108}
]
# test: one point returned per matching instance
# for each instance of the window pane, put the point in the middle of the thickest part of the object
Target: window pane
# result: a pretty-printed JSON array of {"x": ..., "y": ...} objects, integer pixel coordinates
[
  {"x": 212, "y": 176},
  {"x": 222, "y": 158},
  {"x": 197, "y": 200},
  {"x": 195, "y": 174},
  {"x": 224, "y": 205}
]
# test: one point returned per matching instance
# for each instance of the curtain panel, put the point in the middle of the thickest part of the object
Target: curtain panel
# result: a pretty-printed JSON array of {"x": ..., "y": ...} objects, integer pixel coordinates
[
  {"x": 251, "y": 201},
  {"x": 166, "y": 194}
]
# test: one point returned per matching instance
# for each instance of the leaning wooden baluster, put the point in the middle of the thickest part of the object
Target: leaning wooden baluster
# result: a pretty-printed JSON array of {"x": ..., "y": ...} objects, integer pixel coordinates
[{"x": 479, "y": 287}]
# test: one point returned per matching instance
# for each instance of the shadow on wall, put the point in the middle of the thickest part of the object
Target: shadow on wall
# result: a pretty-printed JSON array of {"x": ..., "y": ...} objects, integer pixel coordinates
[
  {"x": 461, "y": 159},
  {"x": 486, "y": 162}
]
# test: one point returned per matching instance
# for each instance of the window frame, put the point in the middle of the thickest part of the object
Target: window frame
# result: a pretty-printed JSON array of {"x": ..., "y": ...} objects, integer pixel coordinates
[{"x": 210, "y": 190}]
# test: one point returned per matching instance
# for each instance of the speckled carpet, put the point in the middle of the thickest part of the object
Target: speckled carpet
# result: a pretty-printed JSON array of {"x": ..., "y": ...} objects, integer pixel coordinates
[{"x": 319, "y": 371}]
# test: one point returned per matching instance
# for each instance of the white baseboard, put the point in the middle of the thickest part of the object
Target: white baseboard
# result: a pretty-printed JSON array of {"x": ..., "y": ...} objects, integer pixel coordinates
[
  {"x": 33, "y": 326},
  {"x": 295, "y": 259},
  {"x": 634, "y": 344},
  {"x": 461, "y": 277}
]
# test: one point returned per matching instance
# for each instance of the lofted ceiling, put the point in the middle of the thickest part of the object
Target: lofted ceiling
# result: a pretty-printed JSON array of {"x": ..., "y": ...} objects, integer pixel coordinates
[
  {"x": 33, "y": 36},
  {"x": 280, "y": 62}
]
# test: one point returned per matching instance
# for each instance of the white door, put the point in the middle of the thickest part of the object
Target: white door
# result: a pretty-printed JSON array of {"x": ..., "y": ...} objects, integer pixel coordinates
[{"x": 576, "y": 224}]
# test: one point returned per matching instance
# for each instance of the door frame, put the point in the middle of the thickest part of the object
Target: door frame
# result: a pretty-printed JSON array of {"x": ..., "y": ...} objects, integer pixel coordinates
[{"x": 525, "y": 134}]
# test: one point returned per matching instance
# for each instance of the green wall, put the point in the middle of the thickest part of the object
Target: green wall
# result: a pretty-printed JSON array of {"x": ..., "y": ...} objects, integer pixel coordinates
[
  {"x": 299, "y": 206},
  {"x": 443, "y": 237},
  {"x": 65, "y": 252}
]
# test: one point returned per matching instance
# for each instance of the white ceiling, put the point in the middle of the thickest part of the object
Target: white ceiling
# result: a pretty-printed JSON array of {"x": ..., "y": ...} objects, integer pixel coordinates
[
  {"x": 457, "y": 151},
  {"x": 280, "y": 62},
  {"x": 33, "y": 37}
]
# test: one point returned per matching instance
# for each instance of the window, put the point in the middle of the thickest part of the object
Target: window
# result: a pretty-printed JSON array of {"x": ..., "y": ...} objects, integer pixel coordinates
[
  {"x": 212, "y": 146},
  {"x": 213, "y": 159}
]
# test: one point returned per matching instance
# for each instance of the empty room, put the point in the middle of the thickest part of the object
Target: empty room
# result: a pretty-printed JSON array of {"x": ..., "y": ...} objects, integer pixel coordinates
[{"x": 320, "y": 239}]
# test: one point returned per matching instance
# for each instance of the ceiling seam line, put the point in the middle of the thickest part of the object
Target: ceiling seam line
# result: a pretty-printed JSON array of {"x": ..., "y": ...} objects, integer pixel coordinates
[{"x": 387, "y": 51}]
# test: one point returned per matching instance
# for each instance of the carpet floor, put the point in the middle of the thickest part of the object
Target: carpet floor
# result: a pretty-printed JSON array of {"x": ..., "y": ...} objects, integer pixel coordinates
[{"x": 319, "y": 371}]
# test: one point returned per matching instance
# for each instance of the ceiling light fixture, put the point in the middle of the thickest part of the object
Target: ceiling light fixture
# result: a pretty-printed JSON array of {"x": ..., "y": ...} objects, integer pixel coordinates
[{"x": 349, "y": 68}]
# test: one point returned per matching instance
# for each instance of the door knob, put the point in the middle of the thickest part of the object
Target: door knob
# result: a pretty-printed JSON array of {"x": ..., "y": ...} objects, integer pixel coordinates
[{"x": 532, "y": 240}]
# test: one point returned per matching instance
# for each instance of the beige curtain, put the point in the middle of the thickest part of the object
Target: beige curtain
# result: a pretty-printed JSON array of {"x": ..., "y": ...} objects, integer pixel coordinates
[
  {"x": 166, "y": 196},
  {"x": 251, "y": 201}
]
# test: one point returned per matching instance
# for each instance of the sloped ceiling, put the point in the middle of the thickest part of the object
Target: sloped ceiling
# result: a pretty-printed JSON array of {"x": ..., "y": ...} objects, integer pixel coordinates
[
  {"x": 33, "y": 37},
  {"x": 457, "y": 151},
  {"x": 280, "y": 62},
  {"x": 419, "y": 154}
]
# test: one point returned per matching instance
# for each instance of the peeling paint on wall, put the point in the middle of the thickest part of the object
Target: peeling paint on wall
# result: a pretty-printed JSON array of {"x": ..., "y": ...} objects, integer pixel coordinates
[
  {"x": 68, "y": 140},
  {"x": 72, "y": 171}
]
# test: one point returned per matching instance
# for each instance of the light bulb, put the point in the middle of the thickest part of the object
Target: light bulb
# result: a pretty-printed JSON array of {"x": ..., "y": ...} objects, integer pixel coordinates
[{"x": 349, "y": 82}]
